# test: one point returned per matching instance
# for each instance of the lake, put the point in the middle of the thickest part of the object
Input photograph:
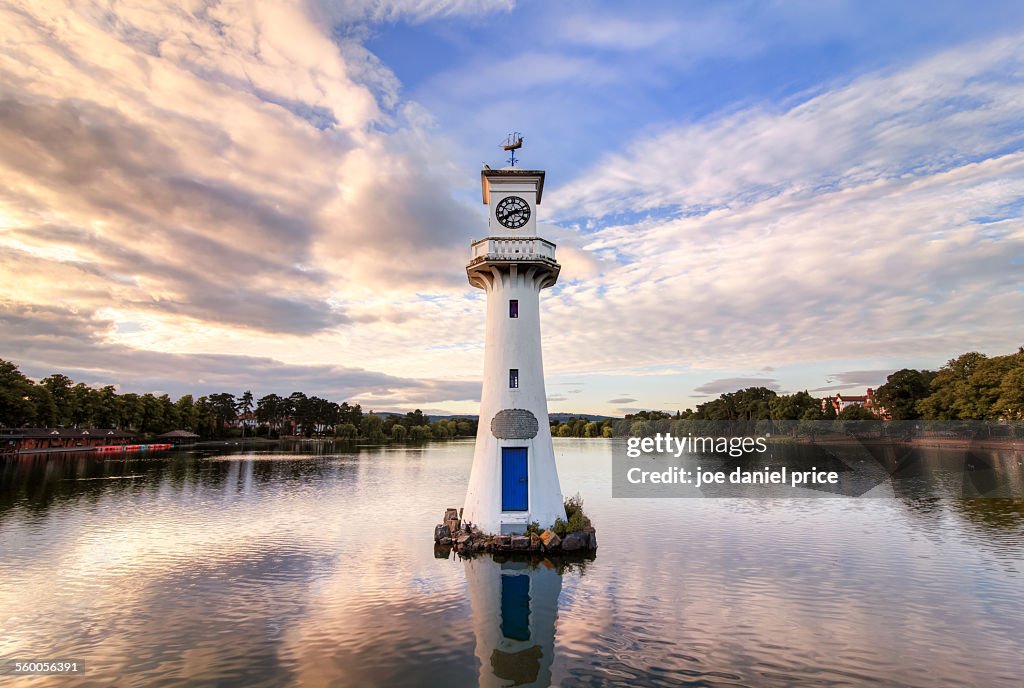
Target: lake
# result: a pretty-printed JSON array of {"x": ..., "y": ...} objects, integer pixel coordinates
[{"x": 316, "y": 566}]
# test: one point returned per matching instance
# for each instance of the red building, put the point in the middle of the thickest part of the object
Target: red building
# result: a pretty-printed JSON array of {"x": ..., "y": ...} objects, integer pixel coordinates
[
  {"x": 29, "y": 440},
  {"x": 842, "y": 401}
]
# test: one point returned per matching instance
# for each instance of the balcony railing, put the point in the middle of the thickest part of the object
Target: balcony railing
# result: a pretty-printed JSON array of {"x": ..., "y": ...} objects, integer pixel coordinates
[{"x": 501, "y": 248}]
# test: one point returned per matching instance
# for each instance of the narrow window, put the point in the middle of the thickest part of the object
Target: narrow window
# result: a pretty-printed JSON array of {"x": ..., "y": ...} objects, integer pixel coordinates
[
  {"x": 513, "y": 308},
  {"x": 513, "y": 378}
]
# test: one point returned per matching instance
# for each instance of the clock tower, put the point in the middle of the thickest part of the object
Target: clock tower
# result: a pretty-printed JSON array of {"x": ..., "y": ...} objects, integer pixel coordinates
[{"x": 513, "y": 480}]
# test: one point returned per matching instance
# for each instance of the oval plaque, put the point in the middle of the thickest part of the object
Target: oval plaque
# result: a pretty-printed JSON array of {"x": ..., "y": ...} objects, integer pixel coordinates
[{"x": 514, "y": 424}]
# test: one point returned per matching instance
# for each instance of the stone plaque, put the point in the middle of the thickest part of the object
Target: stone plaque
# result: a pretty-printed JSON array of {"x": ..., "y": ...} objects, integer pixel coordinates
[{"x": 514, "y": 424}]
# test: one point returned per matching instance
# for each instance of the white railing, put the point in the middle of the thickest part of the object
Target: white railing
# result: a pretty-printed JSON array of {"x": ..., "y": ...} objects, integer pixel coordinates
[{"x": 499, "y": 248}]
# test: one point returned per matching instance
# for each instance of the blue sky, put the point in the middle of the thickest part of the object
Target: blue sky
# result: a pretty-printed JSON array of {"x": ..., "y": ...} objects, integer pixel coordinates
[
  {"x": 600, "y": 74},
  {"x": 805, "y": 195}
]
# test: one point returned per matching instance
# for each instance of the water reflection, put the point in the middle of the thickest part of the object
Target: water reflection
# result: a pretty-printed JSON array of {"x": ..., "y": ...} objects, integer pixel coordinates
[
  {"x": 279, "y": 568},
  {"x": 514, "y": 603}
]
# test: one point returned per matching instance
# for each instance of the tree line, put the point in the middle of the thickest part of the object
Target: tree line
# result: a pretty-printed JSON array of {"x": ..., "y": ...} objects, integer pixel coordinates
[
  {"x": 58, "y": 401},
  {"x": 972, "y": 386}
]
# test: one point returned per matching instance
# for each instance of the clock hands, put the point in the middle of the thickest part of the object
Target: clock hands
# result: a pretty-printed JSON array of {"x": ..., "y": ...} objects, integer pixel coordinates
[{"x": 513, "y": 212}]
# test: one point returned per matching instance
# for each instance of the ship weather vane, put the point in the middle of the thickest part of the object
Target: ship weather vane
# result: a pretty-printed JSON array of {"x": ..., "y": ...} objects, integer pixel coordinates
[{"x": 513, "y": 143}]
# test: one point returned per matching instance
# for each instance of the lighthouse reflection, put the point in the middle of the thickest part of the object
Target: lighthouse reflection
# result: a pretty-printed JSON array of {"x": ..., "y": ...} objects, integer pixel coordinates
[{"x": 514, "y": 605}]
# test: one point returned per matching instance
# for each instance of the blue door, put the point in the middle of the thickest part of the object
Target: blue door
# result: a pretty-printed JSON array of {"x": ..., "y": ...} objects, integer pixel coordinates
[
  {"x": 513, "y": 479},
  {"x": 515, "y": 606}
]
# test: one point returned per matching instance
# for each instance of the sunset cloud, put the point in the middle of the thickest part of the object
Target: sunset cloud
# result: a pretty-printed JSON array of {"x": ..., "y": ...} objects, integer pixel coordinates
[
  {"x": 275, "y": 196},
  {"x": 731, "y": 384}
]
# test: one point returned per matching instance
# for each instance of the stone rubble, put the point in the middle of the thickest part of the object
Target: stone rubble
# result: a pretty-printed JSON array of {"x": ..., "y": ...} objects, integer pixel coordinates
[{"x": 466, "y": 538}]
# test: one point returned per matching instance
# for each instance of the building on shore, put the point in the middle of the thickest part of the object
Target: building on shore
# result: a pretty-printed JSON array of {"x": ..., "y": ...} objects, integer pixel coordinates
[
  {"x": 31, "y": 440},
  {"x": 245, "y": 420},
  {"x": 176, "y": 437},
  {"x": 842, "y": 401}
]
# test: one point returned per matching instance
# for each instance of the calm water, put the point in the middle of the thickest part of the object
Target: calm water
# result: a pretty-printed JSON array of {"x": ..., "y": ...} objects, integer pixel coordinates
[{"x": 276, "y": 568}]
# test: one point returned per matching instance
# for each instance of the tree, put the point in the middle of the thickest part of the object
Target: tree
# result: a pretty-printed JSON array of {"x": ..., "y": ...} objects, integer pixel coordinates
[
  {"x": 271, "y": 411},
  {"x": 970, "y": 387},
  {"x": 168, "y": 415},
  {"x": 828, "y": 410},
  {"x": 84, "y": 405},
  {"x": 753, "y": 403},
  {"x": 16, "y": 406},
  {"x": 902, "y": 392},
  {"x": 984, "y": 388},
  {"x": 222, "y": 407},
  {"x": 206, "y": 423},
  {"x": 61, "y": 388},
  {"x": 373, "y": 427},
  {"x": 298, "y": 411},
  {"x": 1010, "y": 404},
  {"x": 414, "y": 418},
  {"x": 188, "y": 416},
  {"x": 640, "y": 428},
  {"x": 245, "y": 402},
  {"x": 153, "y": 421},
  {"x": 419, "y": 433},
  {"x": 856, "y": 412},
  {"x": 44, "y": 409},
  {"x": 351, "y": 414},
  {"x": 106, "y": 410},
  {"x": 799, "y": 406},
  {"x": 131, "y": 411},
  {"x": 245, "y": 406}
]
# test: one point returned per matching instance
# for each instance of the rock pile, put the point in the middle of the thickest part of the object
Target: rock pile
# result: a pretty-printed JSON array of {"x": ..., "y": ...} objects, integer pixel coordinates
[{"x": 466, "y": 538}]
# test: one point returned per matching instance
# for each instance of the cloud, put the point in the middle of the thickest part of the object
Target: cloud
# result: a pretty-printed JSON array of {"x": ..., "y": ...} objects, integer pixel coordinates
[
  {"x": 411, "y": 10},
  {"x": 880, "y": 218},
  {"x": 732, "y": 384},
  {"x": 42, "y": 340},
  {"x": 220, "y": 165},
  {"x": 672, "y": 39},
  {"x": 248, "y": 180},
  {"x": 944, "y": 112},
  {"x": 861, "y": 377},
  {"x": 854, "y": 378},
  {"x": 622, "y": 400}
]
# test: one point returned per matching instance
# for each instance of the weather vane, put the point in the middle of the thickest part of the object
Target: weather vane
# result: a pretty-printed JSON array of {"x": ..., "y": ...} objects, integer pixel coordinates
[{"x": 513, "y": 143}]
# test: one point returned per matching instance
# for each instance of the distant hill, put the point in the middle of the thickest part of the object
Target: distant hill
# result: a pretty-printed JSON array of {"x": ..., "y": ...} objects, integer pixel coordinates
[
  {"x": 454, "y": 416},
  {"x": 552, "y": 417},
  {"x": 562, "y": 417}
]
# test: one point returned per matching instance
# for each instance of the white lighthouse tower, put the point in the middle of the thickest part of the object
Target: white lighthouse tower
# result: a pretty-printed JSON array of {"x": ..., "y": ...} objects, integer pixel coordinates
[{"x": 514, "y": 479}]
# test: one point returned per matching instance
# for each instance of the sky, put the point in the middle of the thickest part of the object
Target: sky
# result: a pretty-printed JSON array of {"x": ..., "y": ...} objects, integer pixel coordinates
[{"x": 220, "y": 196}]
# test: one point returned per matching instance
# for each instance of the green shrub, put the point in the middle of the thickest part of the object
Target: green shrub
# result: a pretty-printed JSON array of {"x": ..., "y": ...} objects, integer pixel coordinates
[
  {"x": 575, "y": 518},
  {"x": 533, "y": 528}
]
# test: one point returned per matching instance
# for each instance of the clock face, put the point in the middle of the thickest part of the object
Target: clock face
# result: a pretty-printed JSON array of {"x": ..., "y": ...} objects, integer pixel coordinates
[{"x": 512, "y": 212}]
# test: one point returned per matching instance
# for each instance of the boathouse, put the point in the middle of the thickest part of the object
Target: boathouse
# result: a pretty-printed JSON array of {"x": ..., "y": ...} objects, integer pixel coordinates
[{"x": 26, "y": 440}]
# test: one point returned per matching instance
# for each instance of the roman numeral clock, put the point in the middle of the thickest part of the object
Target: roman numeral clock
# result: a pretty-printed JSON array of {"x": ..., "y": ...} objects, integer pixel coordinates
[{"x": 512, "y": 212}]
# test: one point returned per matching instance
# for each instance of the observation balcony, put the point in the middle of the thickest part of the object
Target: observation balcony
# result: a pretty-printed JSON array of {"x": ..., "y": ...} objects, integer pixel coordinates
[
  {"x": 514, "y": 249},
  {"x": 534, "y": 255}
]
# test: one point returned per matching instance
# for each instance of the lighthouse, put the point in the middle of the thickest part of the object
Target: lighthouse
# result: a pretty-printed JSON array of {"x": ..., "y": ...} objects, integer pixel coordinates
[{"x": 514, "y": 480}]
